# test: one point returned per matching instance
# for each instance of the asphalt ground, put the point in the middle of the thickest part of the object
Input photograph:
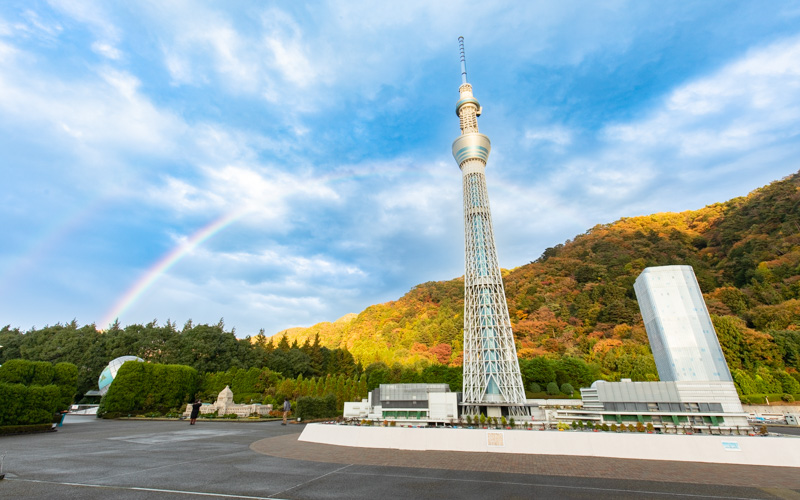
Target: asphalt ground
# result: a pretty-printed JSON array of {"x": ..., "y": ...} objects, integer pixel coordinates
[
  {"x": 784, "y": 429},
  {"x": 128, "y": 459}
]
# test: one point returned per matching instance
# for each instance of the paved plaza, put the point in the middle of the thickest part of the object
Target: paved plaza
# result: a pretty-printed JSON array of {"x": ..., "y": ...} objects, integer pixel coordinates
[{"x": 129, "y": 459}]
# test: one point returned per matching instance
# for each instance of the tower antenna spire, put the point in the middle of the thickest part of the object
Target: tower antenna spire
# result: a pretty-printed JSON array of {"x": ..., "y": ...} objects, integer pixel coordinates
[{"x": 463, "y": 60}]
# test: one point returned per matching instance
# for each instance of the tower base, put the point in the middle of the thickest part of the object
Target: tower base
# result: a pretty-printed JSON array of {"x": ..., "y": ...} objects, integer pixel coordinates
[{"x": 495, "y": 410}]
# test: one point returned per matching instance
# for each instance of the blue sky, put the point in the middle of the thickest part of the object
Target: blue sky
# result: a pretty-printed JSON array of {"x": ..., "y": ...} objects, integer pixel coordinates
[{"x": 279, "y": 164}]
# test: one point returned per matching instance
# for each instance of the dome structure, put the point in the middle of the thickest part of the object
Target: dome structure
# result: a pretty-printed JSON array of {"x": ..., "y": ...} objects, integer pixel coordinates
[{"x": 110, "y": 371}]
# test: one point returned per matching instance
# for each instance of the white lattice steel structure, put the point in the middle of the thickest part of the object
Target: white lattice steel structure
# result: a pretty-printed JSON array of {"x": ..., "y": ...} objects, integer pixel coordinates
[{"x": 492, "y": 380}]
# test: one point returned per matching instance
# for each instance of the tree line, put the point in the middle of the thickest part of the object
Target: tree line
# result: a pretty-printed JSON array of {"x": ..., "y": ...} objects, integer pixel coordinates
[{"x": 206, "y": 348}]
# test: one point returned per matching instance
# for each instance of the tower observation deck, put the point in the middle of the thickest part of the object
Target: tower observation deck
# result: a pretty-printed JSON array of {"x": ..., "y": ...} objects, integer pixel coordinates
[{"x": 492, "y": 380}]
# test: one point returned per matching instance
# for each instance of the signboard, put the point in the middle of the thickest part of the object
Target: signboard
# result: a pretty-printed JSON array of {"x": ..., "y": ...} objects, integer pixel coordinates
[
  {"x": 731, "y": 446},
  {"x": 495, "y": 438}
]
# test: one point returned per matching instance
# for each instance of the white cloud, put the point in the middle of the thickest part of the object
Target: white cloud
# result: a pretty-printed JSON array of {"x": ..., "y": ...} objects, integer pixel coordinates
[
  {"x": 748, "y": 104},
  {"x": 97, "y": 117},
  {"x": 298, "y": 268},
  {"x": 6, "y": 53},
  {"x": 283, "y": 37},
  {"x": 422, "y": 205},
  {"x": 106, "y": 50},
  {"x": 93, "y": 13},
  {"x": 256, "y": 305},
  {"x": 204, "y": 45},
  {"x": 556, "y": 134},
  {"x": 702, "y": 129},
  {"x": 50, "y": 30},
  {"x": 184, "y": 197}
]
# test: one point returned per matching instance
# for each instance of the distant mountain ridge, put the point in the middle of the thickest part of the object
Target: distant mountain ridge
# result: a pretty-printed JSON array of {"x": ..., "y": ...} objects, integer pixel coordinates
[{"x": 577, "y": 298}]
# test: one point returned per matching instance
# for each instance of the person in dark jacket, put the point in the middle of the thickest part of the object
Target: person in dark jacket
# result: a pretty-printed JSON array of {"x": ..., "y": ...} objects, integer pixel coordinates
[
  {"x": 287, "y": 407},
  {"x": 195, "y": 411}
]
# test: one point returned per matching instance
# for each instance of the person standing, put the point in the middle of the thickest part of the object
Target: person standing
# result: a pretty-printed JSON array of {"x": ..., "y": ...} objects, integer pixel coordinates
[
  {"x": 195, "y": 411},
  {"x": 287, "y": 407}
]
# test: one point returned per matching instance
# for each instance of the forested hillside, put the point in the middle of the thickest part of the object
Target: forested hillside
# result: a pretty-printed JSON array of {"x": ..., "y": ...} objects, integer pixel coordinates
[{"x": 577, "y": 299}]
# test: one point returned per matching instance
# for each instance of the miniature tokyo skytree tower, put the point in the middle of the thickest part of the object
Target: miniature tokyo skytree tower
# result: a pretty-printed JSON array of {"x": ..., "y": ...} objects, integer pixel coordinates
[{"x": 492, "y": 380}]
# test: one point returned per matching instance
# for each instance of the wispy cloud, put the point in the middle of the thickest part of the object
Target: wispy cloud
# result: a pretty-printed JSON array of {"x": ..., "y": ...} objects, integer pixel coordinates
[
  {"x": 93, "y": 14},
  {"x": 556, "y": 135}
]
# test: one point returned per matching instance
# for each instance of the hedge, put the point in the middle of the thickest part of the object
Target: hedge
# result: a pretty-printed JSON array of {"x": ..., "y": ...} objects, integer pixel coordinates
[
  {"x": 25, "y": 429},
  {"x": 27, "y": 405},
  {"x": 41, "y": 373},
  {"x": 32, "y": 392},
  {"x": 22, "y": 371},
  {"x": 759, "y": 399},
  {"x": 145, "y": 387},
  {"x": 310, "y": 407}
]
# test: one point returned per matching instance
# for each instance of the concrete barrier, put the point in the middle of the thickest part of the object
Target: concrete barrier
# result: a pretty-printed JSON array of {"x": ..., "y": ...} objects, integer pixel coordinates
[{"x": 745, "y": 450}]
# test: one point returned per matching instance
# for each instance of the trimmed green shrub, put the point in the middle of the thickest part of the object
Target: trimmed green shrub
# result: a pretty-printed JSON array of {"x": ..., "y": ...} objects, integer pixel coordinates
[
  {"x": 27, "y": 405},
  {"x": 33, "y": 391},
  {"x": 534, "y": 387},
  {"x": 760, "y": 399},
  {"x": 22, "y": 371},
  {"x": 140, "y": 388},
  {"x": 552, "y": 389},
  {"x": 42, "y": 373},
  {"x": 310, "y": 407},
  {"x": 66, "y": 378},
  {"x": 24, "y": 429},
  {"x": 567, "y": 389}
]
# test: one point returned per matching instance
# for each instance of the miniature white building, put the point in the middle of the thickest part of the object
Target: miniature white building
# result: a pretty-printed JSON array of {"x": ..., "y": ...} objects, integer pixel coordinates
[
  {"x": 416, "y": 404},
  {"x": 224, "y": 405}
]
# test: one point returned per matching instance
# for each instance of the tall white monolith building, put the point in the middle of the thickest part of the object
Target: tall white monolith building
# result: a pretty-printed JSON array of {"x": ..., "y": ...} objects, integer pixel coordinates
[
  {"x": 696, "y": 392},
  {"x": 682, "y": 337},
  {"x": 492, "y": 380}
]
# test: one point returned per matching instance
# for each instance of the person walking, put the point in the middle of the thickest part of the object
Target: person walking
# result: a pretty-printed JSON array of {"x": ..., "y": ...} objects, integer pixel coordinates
[
  {"x": 195, "y": 411},
  {"x": 287, "y": 407}
]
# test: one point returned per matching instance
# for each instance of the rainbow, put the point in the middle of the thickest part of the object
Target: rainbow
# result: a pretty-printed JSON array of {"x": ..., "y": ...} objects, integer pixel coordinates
[{"x": 166, "y": 262}]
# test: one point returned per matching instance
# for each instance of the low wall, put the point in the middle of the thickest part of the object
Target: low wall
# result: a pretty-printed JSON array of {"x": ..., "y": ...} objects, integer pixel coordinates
[
  {"x": 746, "y": 450},
  {"x": 759, "y": 410}
]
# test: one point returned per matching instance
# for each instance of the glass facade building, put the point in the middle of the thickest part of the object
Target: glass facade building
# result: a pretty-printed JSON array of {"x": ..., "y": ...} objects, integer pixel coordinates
[{"x": 682, "y": 338}]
